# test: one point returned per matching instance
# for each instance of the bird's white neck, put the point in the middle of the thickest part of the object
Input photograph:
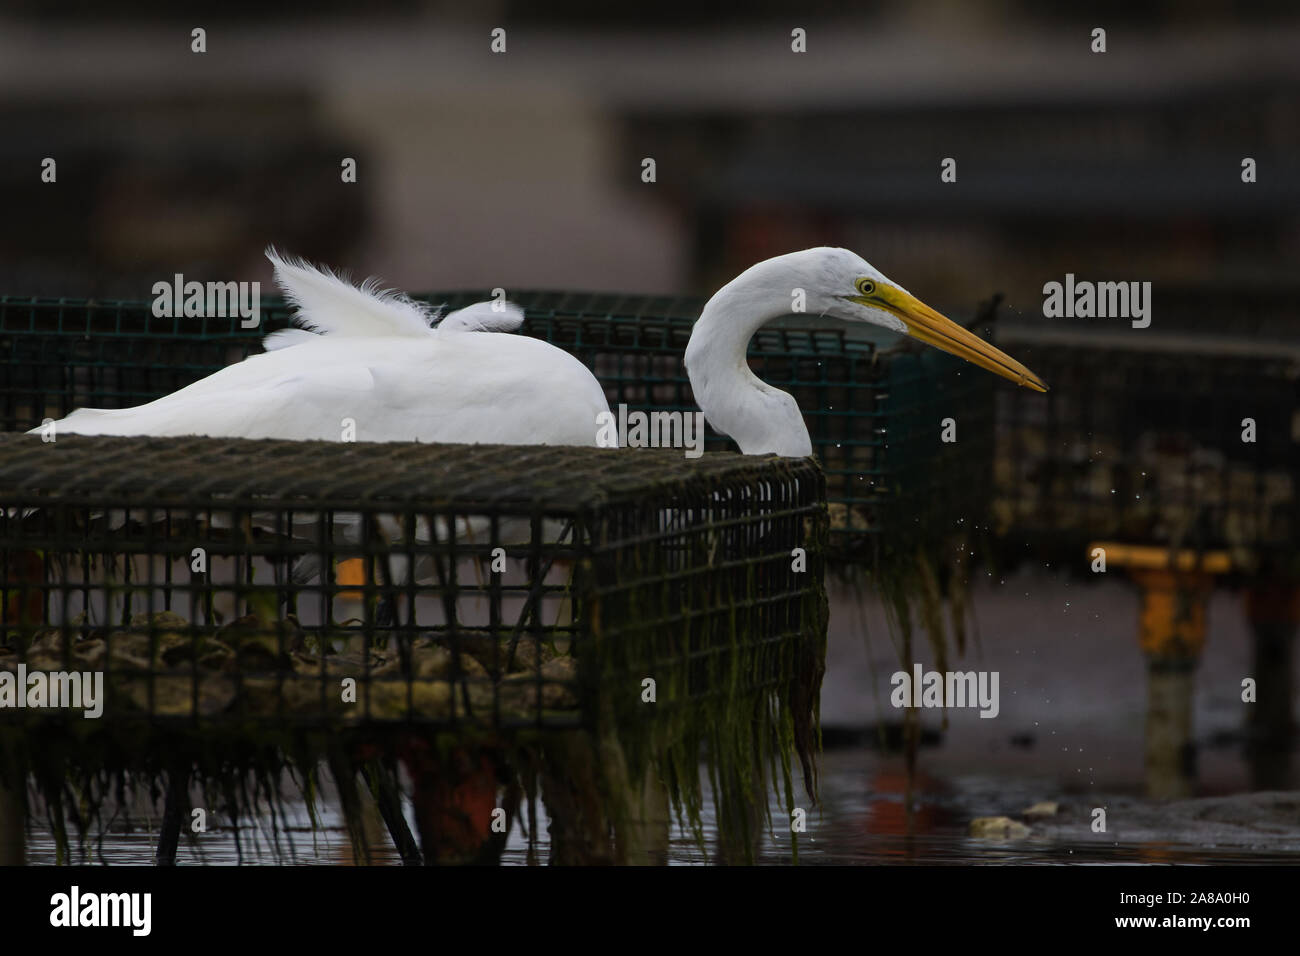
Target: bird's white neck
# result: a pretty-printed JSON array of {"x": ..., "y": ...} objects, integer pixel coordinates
[{"x": 761, "y": 419}]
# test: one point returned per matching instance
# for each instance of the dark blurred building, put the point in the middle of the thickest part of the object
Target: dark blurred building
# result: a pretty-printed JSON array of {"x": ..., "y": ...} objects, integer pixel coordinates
[{"x": 524, "y": 168}]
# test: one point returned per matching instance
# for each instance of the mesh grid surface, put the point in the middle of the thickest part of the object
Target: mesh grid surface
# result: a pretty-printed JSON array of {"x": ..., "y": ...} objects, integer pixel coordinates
[
  {"x": 497, "y": 583},
  {"x": 1146, "y": 445}
]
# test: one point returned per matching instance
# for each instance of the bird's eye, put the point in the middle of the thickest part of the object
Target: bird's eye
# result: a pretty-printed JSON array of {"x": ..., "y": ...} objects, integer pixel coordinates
[{"x": 866, "y": 287}]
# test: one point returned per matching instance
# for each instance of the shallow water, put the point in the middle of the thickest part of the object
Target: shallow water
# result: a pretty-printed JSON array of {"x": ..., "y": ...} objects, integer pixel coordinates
[
  {"x": 1069, "y": 730},
  {"x": 862, "y": 820}
]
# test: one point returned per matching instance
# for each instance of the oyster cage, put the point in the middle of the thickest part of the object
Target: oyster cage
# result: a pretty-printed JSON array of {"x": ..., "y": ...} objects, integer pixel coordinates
[
  {"x": 323, "y": 598},
  {"x": 1145, "y": 445},
  {"x": 875, "y": 414}
]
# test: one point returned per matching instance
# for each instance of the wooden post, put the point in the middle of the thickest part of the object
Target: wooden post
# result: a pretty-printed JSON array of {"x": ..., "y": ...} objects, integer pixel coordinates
[
  {"x": 641, "y": 837},
  {"x": 573, "y": 790},
  {"x": 1176, "y": 588},
  {"x": 653, "y": 824}
]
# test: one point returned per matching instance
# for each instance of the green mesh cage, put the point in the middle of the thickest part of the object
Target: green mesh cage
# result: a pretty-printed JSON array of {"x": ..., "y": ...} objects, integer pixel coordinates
[
  {"x": 1142, "y": 440},
  {"x": 509, "y": 606}
]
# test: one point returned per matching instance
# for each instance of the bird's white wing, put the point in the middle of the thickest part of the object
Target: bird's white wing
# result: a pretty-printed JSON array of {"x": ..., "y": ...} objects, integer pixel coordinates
[
  {"x": 470, "y": 387},
  {"x": 295, "y": 404},
  {"x": 364, "y": 364}
]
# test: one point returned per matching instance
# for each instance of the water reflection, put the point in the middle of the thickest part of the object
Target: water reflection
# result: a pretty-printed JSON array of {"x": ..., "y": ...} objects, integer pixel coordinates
[{"x": 863, "y": 819}]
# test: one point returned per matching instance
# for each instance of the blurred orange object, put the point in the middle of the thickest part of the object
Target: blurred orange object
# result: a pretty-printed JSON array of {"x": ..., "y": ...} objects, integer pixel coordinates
[{"x": 351, "y": 574}]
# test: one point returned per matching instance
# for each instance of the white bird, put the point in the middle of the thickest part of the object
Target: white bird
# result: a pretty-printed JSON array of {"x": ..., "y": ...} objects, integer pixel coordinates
[{"x": 372, "y": 358}]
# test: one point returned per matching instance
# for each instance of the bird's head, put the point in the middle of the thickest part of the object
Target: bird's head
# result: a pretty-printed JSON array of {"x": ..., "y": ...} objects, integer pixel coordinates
[{"x": 843, "y": 285}]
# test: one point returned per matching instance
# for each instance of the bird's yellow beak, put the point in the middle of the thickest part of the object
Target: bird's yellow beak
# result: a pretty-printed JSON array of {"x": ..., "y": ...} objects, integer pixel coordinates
[{"x": 934, "y": 329}]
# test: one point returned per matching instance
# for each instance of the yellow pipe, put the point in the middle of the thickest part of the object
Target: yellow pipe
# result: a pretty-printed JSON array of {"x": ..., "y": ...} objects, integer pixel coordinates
[{"x": 1140, "y": 556}]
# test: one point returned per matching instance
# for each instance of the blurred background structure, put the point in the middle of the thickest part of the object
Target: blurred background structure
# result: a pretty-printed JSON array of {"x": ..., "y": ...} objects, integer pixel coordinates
[{"x": 523, "y": 169}]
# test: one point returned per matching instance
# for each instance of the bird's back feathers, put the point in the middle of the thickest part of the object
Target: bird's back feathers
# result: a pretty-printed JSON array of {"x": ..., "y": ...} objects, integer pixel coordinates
[
  {"x": 484, "y": 317},
  {"x": 325, "y": 304},
  {"x": 329, "y": 305}
]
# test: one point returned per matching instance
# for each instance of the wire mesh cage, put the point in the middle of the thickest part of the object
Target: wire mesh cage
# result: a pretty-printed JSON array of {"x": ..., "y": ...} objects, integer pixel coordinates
[
  {"x": 193, "y": 596},
  {"x": 1171, "y": 439},
  {"x": 876, "y": 416}
]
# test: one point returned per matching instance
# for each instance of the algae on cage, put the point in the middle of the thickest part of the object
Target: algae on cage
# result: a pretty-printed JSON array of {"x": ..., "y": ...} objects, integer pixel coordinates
[{"x": 741, "y": 708}]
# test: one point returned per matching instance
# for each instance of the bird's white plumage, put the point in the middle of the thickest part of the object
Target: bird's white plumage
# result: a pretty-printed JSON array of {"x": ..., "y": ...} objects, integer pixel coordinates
[
  {"x": 325, "y": 303},
  {"x": 483, "y": 317},
  {"x": 369, "y": 357},
  {"x": 471, "y": 387}
]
